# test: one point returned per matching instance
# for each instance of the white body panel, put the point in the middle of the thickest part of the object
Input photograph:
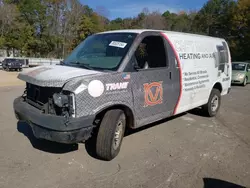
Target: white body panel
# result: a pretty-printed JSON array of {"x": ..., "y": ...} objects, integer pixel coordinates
[{"x": 199, "y": 62}]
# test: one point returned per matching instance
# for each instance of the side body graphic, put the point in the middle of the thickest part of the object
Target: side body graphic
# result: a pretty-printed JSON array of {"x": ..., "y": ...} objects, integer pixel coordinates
[{"x": 152, "y": 99}]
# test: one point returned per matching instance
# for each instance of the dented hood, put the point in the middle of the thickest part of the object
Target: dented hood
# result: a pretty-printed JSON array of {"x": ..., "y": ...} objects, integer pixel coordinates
[{"x": 53, "y": 75}]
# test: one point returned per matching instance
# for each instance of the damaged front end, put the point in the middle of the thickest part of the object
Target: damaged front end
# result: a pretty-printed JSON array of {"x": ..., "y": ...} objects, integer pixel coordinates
[
  {"x": 51, "y": 113},
  {"x": 50, "y": 100}
]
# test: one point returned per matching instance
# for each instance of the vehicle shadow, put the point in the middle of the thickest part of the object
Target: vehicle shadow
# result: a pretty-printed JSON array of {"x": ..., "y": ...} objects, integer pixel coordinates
[
  {"x": 197, "y": 112},
  {"x": 133, "y": 131},
  {"x": 90, "y": 144},
  {"x": 236, "y": 85},
  {"x": 216, "y": 183},
  {"x": 58, "y": 148},
  {"x": 44, "y": 145}
]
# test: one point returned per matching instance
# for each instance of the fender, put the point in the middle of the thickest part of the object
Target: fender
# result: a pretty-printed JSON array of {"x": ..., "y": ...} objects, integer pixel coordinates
[{"x": 118, "y": 104}]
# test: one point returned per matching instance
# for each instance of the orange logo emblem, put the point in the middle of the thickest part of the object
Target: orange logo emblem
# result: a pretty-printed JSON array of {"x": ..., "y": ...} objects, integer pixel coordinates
[{"x": 153, "y": 93}]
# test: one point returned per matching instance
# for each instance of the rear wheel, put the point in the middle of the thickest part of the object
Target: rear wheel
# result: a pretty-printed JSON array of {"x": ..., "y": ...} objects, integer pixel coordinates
[
  {"x": 212, "y": 107},
  {"x": 110, "y": 134}
]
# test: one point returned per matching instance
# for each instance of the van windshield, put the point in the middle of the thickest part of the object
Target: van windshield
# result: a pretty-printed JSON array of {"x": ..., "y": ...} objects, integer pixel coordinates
[
  {"x": 101, "y": 51},
  {"x": 238, "y": 66}
]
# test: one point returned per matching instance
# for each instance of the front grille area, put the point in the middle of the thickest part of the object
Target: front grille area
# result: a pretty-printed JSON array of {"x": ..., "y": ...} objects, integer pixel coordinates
[
  {"x": 235, "y": 81},
  {"x": 39, "y": 96}
]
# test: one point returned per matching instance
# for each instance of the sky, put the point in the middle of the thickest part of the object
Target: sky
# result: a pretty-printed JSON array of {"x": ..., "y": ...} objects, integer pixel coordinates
[{"x": 130, "y": 8}]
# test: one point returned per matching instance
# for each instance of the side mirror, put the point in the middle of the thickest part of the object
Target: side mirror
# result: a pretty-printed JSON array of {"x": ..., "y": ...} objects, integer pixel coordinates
[{"x": 136, "y": 66}]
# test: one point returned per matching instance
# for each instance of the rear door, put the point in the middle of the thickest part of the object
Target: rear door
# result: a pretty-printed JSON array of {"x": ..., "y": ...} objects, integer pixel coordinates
[
  {"x": 223, "y": 58},
  {"x": 224, "y": 67},
  {"x": 156, "y": 81}
]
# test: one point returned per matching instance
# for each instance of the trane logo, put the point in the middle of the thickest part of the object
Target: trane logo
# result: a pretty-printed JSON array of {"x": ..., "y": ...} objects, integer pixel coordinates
[{"x": 116, "y": 86}]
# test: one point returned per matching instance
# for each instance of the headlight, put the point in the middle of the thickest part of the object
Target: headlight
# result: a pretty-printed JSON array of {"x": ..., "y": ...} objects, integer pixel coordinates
[
  {"x": 241, "y": 76},
  {"x": 60, "y": 100},
  {"x": 9, "y": 63}
]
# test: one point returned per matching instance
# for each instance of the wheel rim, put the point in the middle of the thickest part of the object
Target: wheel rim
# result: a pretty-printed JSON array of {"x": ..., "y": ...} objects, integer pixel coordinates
[
  {"x": 214, "y": 103},
  {"x": 118, "y": 135}
]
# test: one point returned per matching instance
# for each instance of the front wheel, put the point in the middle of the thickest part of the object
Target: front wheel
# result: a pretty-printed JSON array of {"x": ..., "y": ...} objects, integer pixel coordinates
[
  {"x": 212, "y": 107},
  {"x": 110, "y": 134},
  {"x": 245, "y": 81}
]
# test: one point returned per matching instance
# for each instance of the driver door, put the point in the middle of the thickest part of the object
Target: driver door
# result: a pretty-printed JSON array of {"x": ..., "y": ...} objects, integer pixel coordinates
[{"x": 156, "y": 84}]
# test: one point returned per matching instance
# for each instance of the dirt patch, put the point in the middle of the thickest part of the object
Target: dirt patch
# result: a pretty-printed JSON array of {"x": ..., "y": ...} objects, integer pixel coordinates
[{"x": 10, "y": 79}]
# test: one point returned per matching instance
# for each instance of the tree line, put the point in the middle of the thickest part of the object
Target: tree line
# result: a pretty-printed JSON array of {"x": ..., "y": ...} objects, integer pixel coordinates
[{"x": 52, "y": 28}]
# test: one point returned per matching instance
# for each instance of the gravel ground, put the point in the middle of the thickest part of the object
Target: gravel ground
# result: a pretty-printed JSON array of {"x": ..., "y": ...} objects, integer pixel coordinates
[{"x": 185, "y": 151}]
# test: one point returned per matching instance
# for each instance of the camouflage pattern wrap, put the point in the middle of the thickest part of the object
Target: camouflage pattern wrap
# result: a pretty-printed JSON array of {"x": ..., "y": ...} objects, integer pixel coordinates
[
  {"x": 116, "y": 90},
  {"x": 53, "y": 75}
]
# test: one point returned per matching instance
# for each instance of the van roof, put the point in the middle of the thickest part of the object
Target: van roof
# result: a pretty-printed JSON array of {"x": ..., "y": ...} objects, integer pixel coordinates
[{"x": 155, "y": 30}]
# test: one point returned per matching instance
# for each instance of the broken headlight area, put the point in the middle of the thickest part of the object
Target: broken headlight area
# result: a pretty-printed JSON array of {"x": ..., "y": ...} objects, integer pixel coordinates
[
  {"x": 61, "y": 100},
  {"x": 50, "y": 100},
  {"x": 62, "y": 104}
]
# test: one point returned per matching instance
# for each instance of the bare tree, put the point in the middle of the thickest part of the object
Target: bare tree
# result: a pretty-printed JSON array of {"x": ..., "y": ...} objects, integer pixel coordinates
[
  {"x": 8, "y": 15},
  {"x": 71, "y": 18},
  {"x": 153, "y": 20}
]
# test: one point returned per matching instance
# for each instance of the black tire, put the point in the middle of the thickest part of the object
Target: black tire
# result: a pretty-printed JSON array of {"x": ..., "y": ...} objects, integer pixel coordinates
[
  {"x": 105, "y": 148},
  {"x": 245, "y": 81},
  {"x": 208, "y": 108}
]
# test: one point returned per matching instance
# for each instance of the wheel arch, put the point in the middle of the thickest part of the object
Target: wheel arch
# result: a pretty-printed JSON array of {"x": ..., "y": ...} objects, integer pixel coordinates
[
  {"x": 218, "y": 86},
  {"x": 126, "y": 109}
]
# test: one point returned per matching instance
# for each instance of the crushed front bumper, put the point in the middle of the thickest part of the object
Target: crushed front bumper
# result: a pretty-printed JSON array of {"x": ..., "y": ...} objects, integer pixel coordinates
[
  {"x": 51, "y": 127},
  {"x": 237, "y": 81}
]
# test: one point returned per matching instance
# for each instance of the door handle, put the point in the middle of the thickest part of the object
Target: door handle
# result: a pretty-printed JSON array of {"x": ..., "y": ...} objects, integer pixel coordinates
[{"x": 170, "y": 76}]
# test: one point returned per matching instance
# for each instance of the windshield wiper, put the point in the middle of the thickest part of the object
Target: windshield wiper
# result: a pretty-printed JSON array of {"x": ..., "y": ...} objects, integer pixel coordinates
[{"x": 81, "y": 65}]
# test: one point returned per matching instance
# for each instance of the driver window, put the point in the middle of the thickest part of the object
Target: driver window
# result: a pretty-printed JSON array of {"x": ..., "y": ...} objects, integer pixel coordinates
[{"x": 151, "y": 53}]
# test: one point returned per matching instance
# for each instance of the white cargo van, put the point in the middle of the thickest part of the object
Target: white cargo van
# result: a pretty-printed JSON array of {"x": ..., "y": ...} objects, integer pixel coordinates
[{"x": 124, "y": 79}]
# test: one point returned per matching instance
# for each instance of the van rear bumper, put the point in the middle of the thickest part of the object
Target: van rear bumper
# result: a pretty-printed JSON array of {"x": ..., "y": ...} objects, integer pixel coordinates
[{"x": 51, "y": 127}]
